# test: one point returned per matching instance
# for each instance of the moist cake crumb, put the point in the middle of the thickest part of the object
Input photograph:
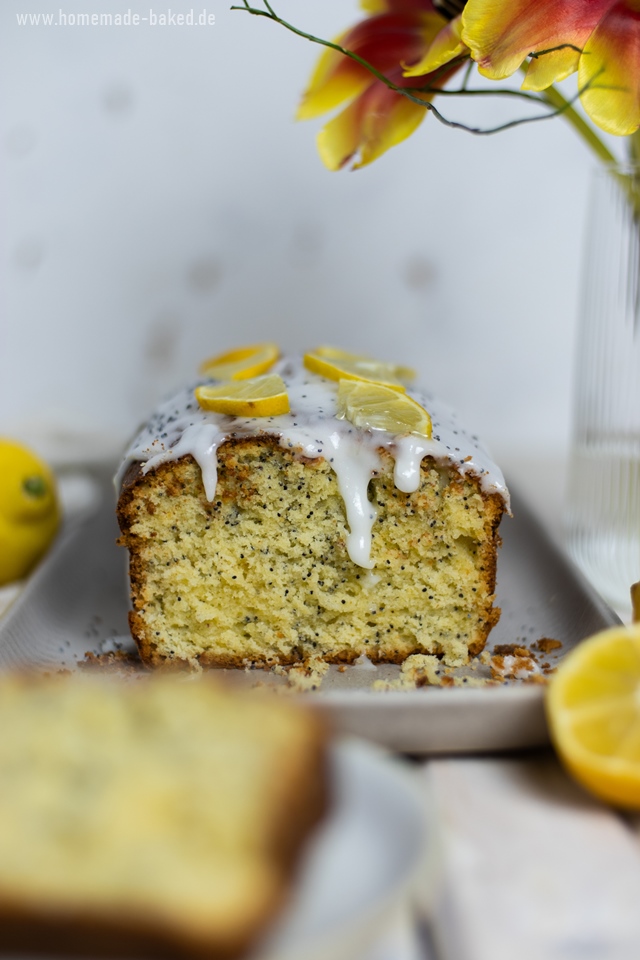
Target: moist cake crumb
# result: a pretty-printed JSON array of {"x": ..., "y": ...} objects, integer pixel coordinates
[{"x": 547, "y": 645}]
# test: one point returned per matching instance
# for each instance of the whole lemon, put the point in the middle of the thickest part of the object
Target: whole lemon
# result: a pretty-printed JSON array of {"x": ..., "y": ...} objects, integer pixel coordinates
[{"x": 29, "y": 511}]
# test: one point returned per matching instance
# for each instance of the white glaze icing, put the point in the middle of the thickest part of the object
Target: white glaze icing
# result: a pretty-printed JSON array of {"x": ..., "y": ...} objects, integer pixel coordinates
[{"x": 312, "y": 429}]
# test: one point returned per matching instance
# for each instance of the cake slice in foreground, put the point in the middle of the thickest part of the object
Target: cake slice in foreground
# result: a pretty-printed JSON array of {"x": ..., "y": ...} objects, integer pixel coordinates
[
  {"x": 162, "y": 817},
  {"x": 272, "y": 539}
]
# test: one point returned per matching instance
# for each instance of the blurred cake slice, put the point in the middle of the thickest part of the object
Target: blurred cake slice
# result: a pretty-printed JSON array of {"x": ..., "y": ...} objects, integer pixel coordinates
[{"x": 160, "y": 817}]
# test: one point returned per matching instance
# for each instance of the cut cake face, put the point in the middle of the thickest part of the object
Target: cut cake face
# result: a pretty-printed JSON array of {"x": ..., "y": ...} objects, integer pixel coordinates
[{"x": 273, "y": 539}]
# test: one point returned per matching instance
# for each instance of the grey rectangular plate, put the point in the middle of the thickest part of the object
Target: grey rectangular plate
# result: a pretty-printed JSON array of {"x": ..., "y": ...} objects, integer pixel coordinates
[{"x": 77, "y": 601}]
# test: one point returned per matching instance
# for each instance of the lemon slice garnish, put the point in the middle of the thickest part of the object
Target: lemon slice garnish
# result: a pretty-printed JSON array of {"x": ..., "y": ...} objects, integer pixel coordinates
[
  {"x": 338, "y": 369},
  {"x": 376, "y": 407},
  {"x": 593, "y": 709},
  {"x": 241, "y": 363},
  {"x": 393, "y": 369},
  {"x": 259, "y": 397}
]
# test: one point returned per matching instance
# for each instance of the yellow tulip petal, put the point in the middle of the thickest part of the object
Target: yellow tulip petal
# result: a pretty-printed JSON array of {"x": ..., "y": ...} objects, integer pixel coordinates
[
  {"x": 374, "y": 6},
  {"x": 401, "y": 32},
  {"x": 446, "y": 47},
  {"x": 338, "y": 140},
  {"x": 609, "y": 71},
  {"x": 501, "y": 35},
  {"x": 493, "y": 32},
  {"x": 377, "y": 118},
  {"x": 380, "y": 134},
  {"x": 335, "y": 79},
  {"x": 551, "y": 68}
]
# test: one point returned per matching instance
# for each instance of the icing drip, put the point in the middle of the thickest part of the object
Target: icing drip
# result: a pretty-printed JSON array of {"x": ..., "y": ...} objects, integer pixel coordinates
[
  {"x": 410, "y": 452},
  {"x": 311, "y": 428},
  {"x": 201, "y": 440},
  {"x": 354, "y": 466}
]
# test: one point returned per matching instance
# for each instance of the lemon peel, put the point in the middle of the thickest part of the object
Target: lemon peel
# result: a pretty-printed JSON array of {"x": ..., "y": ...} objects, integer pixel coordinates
[
  {"x": 393, "y": 369},
  {"x": 374, "y": 406},
  {"x": 344, "y": 369},
  {"x": 29, "y": 510},
  {"x": 593, "y": 710},
  {"x": 241, "y": 363},
  {"x": 259, "y": 397}
]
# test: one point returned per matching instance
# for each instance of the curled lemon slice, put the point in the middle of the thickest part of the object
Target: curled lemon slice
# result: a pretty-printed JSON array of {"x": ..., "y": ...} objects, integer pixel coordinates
[
  {"x": 376, "y": 407},
  {"x": 241, "y": 363},
  {"x": 345, "y": 369},
  {"x": 260, "y": 397},
  {"x": 593, "y": 709},
  {"x": 393, "y": 369}
]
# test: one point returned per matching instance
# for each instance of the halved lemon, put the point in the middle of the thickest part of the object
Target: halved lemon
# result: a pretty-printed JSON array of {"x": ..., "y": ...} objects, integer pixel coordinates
[
  {"x": 394, "y": 369},
  {"x": 338, "y": 369},
  {"x": 259, "y": 397},
  {"x": 377, "y": 407},
  {"x": 593, "y": 709},
  {"x": 241, "y": 363}
]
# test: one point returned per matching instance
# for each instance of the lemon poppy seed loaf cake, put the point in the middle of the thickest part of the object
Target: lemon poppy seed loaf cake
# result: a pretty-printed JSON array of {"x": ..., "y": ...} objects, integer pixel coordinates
[
  {"x": 363, "y": 520},
  {"x": 159, "y": 817}
]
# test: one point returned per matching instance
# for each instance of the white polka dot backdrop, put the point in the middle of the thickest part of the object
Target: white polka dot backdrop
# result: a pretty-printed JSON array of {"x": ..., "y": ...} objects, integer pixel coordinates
[{"x": 162, "y": 205}]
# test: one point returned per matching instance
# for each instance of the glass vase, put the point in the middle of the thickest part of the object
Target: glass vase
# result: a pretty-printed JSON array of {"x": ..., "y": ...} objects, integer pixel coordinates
[{"x": 603, "y": 510}]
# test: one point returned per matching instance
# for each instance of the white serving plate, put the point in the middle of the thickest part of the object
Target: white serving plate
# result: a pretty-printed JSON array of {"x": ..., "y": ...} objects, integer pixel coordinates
[
  {"x": 368, "y": 856},
  {"x": 77, "y": 600}
]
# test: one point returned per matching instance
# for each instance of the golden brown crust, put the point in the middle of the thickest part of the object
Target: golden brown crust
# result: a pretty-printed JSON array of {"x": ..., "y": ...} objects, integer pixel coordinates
[
  {"x": 495, "y": 509},
  {"x": 309, "y": 783},
  {"x": 25, "y": 931},
  {"x": 155, "y": 659}
]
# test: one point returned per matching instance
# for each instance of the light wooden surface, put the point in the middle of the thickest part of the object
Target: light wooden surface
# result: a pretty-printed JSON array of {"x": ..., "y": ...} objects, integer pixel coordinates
[{"x": 525, "y": 864}]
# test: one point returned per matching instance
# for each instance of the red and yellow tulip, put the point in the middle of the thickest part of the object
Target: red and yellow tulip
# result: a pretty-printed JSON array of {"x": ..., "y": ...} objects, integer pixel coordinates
[
  {"x": 598, "y": 38},
  {"x": 396, "y": 34},
  {"x": 409, "y": 39}
]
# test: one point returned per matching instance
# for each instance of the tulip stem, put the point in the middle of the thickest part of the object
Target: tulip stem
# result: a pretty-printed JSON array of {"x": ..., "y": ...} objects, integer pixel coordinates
[
  {"x": 467, "y": 75},
  {"x": 626, "y": 180},
  {"x": 562, "y": 106}
]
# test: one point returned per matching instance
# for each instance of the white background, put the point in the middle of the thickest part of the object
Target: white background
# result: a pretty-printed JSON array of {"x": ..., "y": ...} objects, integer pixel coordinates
[{"x": 160, "y": 205}]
